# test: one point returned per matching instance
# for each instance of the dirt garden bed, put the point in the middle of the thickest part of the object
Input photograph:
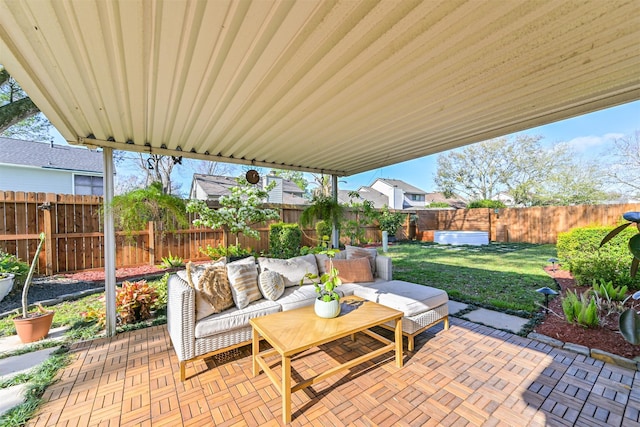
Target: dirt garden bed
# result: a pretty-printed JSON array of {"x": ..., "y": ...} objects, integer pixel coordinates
[{"x": 605, "y": 337}]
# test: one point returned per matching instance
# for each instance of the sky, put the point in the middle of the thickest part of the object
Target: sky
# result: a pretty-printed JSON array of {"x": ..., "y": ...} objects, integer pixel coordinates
[{"x": 589, "y": 134}]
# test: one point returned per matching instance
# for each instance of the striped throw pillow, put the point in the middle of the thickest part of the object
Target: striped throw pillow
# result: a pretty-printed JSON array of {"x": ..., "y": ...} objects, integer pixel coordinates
[{"x": 243, "y": 279}]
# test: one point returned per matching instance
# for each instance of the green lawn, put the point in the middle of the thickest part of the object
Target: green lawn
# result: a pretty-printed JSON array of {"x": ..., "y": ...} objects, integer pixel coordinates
[{"x": 501, "y": 275}]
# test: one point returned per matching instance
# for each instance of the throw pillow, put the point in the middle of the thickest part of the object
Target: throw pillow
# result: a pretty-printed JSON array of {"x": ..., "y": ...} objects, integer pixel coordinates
[
  {"x": 355, "y": 270},
  {"x": 293, "y": 269},
  {"x": 369, "y": 253},
  {"x": 243, "y": 278},
  {"x": 214, "y": 288},
  {"x": 203, "y": 308},
  {"x": 271, "y": 284}
]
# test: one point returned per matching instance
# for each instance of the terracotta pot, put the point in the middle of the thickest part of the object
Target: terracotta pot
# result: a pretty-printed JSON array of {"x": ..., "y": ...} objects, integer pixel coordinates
[{"x": 33, "y": 328}]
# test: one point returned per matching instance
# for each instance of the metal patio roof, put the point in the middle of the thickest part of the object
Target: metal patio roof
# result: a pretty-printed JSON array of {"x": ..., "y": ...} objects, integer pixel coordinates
[{"x": 334, "y": 86}]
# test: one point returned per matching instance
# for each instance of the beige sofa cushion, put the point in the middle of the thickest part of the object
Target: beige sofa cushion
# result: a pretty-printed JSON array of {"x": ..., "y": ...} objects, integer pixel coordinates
[
  {"x": 297, "y": 297},
  {"x": 293, "y": 269},
  {"x": 410, "y": 298},
  {"x": 321, "y": 258},
  {"x": 234, "y": 318}
]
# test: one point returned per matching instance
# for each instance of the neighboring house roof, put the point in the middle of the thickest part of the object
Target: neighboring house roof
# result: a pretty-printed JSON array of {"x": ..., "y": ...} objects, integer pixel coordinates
[
  {"x": 407, "y": 188},
  {"x": 377, "y": 198},
  {"x": 454, "y": 202},
  {"x": 218, "y": 185},
  {"x": 49, "y": 156}
]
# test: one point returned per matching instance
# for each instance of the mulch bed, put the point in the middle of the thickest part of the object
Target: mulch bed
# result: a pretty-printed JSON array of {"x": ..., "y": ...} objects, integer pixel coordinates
[{"x": 605, "y": 337}]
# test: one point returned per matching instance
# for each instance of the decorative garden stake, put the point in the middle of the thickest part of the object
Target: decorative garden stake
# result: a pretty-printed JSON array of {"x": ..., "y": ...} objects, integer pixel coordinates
[
  {"x": 546, "y": 291},
  {"x": 629, "y": 321}
]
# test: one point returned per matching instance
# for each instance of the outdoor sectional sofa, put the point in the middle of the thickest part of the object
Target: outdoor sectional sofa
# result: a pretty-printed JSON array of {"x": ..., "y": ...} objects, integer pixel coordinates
[{"x": 196, "y": 334}]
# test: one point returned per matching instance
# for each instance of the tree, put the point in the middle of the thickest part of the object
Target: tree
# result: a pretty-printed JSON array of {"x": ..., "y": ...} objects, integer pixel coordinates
[
  {"x": 19, "y": 117},
  {"x": 134, "y": 209},
  {"x": 622, "y": 163},
  {"x": 295, "y": 176},
  {"x": 520, "y": 166},
  {"x": 238, "y": 211}
]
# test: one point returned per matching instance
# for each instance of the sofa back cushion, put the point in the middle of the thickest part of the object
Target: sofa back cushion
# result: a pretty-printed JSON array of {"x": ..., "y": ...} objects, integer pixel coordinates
[
  {"x": 293, "y": 269},
  {"x": 321, "y": 258},
  {"x": 355, "y": 270}
]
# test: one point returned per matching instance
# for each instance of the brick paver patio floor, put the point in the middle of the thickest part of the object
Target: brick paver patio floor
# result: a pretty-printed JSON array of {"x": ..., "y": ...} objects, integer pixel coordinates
[{"x": 468, "y": 375}]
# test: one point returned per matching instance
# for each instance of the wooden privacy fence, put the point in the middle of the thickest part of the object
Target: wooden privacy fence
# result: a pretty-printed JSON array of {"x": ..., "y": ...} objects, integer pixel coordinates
[
  {"x": 75, "y": 239},
  {"x": 524, "y": 225}
]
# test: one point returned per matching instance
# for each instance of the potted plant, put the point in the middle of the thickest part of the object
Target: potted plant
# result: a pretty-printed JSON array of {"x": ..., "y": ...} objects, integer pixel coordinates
[
  {"x": 11, "y": 269},
  {"x": 327, "y": 304},
  {"x": 322, "y": 208},
  {"x": 32, "y": 327}
]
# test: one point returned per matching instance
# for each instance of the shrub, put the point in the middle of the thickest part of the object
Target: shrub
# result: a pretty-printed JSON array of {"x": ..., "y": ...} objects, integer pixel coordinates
[
  {"x": 172, "y": 261},
  {"x": 11, "y": 264},
  {"x": 492, "y": 204},
  {"x": 284, "y": 240},
  {"x": 579, "y": 250},
  {"x": 222, "y": 252},
  {"x": 609, "y": 291},
  {"x": 582, "y": 311},
  {"x": 438, "y": 205},
  {"x": 323, "y": 231},
  {"x": 134, "y": 301}
]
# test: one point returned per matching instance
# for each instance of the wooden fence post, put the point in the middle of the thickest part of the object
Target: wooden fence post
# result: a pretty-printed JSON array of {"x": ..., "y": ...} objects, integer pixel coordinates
[
  {"x": 50, "y": 204},
  {"x": 152, "y": 244}
]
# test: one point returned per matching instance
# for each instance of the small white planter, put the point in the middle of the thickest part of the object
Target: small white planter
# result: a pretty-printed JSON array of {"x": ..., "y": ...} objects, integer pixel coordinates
[
  {"x": 6, "y": 284},
  {"x": 327, "y": 310}
]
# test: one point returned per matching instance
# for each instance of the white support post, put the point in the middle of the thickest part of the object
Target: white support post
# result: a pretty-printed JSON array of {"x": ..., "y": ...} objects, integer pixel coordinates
[
  {"x": 335, "y": 237},
  {"x": 109, "y": 244}
]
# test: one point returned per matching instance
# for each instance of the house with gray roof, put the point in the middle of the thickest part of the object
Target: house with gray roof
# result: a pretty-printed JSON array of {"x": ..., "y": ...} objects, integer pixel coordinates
[
  {"x": 398, "y": 195},
  {"x": 44, "y": 167},
  {"x": 211, "y": 187},
  {"x": 367, "y": 193}
]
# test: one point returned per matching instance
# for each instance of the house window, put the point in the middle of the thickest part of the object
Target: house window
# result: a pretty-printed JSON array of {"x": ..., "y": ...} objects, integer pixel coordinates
[
  {"x": 416, "y": 197},
  {"x": 85, "y": 185}
]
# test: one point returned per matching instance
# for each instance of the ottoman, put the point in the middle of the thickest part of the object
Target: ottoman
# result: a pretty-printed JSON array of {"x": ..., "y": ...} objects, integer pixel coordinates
[{"x": 423, "y": 306}]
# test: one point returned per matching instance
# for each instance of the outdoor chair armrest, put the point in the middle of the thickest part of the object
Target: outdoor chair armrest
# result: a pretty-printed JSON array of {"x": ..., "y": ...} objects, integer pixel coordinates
[
  {"x": 384, "y": 267},
  {"x": 181, "y": 315}
]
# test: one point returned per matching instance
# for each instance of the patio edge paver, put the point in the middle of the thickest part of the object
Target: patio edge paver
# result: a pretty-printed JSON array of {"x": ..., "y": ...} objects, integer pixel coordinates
[{"x": 589, "y": 352}]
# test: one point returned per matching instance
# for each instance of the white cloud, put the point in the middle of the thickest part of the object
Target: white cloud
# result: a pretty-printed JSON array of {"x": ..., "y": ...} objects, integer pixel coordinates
[{"x": 588, "y": 143}]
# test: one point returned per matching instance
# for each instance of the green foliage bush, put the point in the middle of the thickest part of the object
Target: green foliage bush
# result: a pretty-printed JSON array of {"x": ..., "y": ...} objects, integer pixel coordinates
[
  {"x": 284, "y": 240},
  {"x": 12, "y": 264},
  {"x": 222, "y": 252},
  {"x": 492, "y": 204},
  {"x": 438, "y": 205},
  {"x": 324, "y": 230},
  {"x": 610, "y": 292},
  {"x": 579, "y": 251},
  {"x": 582, "y": 311}
]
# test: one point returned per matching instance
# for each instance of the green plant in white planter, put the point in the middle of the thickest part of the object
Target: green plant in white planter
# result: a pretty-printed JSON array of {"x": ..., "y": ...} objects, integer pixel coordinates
[{"x": 327, "y": 303}]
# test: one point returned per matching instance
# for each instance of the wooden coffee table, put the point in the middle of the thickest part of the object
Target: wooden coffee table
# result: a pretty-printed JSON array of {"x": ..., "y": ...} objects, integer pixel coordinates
[{"x": 292, "y": 332}]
